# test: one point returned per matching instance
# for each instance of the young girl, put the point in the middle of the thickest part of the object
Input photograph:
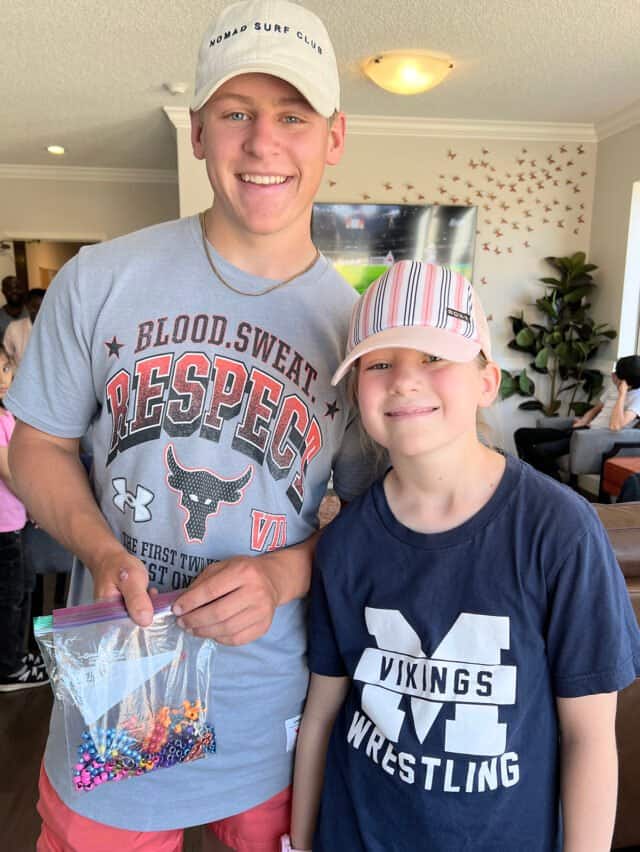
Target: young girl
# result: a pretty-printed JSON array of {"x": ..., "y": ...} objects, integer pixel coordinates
[
  {"x": 17, "y": 669},
  {"x": 469, "y": 625}
]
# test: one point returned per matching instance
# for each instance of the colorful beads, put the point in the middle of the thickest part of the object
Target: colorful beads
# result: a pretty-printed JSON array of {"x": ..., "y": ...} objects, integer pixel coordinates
[{"x": 173, "y": 735}]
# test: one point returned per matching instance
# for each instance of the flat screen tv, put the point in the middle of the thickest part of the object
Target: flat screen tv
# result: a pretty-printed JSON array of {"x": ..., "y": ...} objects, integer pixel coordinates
[{"x": 362, "y": 240}]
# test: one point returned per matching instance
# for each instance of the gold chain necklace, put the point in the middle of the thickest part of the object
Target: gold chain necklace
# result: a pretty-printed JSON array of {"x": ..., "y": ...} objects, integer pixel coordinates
[{"x": 222, "y": 280}]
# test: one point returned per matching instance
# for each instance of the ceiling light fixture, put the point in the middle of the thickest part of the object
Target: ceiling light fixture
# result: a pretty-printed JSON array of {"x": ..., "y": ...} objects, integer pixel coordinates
[
  {"x": 58, "y": 150},
  {"x": 407, "y": 72}
]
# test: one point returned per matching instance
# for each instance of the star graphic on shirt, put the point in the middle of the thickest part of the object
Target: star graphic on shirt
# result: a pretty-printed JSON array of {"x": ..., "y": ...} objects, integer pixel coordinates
[
  {"x": 113, "y": 346},
  {"x": 332, "y": 409}
]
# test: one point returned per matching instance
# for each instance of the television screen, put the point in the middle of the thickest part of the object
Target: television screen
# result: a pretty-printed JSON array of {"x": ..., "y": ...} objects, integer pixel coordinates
[{"x": 362, "y": 240}]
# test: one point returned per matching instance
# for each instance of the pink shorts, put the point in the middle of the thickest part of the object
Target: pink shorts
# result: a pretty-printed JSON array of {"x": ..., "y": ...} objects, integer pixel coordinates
[{"x": 63, "y": 830}]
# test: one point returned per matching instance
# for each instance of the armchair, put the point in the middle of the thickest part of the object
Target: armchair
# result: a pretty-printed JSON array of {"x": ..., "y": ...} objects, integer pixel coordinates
[{"x": 589, "y": 446}]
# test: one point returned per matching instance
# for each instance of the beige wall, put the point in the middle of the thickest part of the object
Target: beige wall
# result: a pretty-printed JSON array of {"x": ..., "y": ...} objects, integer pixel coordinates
[
  {"x": 511, "y": 243},
  {"x": 44, "y": 259},
  {"x": 7, "y": 266},
  {"x": 618, "y": 167},
  {"x": 81, "y": 209}
]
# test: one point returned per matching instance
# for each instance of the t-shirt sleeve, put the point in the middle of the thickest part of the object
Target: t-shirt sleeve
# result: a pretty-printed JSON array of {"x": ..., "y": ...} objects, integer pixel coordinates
[
  {"x": 632, "y": 402},
  {"x": 324, "y": 657},
  {"x": 53, "y": 389},
  {"x": 7, "y": 424},
  {"x": 357, "y": 465},
  {"x": 593, "y": 639}
]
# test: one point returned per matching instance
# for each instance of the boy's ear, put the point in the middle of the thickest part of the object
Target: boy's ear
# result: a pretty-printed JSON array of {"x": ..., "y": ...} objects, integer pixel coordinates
[
  {"x": 335, "y": 142},
  {"x": 490, "y": 377},
  {"x": 196, "y": 134}
]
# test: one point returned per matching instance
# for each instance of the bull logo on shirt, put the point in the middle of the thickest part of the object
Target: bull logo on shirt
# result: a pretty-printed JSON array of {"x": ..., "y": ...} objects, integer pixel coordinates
[{"x": 202, "y": 492}]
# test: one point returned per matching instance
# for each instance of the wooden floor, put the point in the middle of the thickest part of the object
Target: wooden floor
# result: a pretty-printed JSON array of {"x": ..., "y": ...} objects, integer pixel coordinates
[{"x": 24, "y": 723}]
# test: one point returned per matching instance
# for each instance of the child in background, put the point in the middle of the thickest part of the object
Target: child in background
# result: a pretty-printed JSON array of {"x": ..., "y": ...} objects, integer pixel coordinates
[
  {"x": 17, "y": 669},
  {"x": 469, "y": 625}
]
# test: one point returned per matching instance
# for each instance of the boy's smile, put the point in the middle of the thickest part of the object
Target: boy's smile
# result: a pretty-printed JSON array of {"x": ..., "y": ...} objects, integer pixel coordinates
[{"x": 265, "y": 149}]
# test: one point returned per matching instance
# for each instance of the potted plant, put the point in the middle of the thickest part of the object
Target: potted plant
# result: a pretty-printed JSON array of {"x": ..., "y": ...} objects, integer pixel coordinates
[{"x": 562, "y": 343}]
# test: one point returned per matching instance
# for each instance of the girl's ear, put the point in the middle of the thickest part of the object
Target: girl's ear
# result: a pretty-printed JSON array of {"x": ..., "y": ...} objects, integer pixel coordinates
[{"x": 490, "y": 378}]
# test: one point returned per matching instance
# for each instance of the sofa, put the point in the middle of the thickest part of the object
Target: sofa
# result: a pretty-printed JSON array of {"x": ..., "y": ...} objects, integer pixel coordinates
[
  {"x": 622, "y": 523},
  {"x": 589, "y": 445}
]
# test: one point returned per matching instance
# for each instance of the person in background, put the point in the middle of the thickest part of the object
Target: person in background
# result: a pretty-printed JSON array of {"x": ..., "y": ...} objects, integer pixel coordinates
[
  {"x": 18, "y": 670},
  {"x": 466, "y": 642},
  {"x": 618, "y": 409},
  {"x": 200, "y": 352},
  {"x": 14, "y": 290},
  {"x": 18, "y": 332}
]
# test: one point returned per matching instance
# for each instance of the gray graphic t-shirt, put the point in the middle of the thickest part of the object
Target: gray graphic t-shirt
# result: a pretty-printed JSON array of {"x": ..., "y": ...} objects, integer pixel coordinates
[{"x": 214, "y": 431}]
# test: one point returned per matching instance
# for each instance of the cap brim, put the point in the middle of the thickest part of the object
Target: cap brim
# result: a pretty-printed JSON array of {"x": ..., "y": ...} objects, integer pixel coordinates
[
  {"x": 435, "y": 341},
  {"x": 318, "y": 99}
]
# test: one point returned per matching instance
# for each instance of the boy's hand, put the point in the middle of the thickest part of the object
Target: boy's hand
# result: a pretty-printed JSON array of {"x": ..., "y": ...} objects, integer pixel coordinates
[
  {"x": 232, "y": 601},
  {"x": 120, "y": 574},
  {"x": 579, "y": 423}
]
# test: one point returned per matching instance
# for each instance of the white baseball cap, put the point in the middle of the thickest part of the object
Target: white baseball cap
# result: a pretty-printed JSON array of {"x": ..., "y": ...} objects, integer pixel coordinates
[
  {"x": 416, "y": 305},
  {"x": 269, "y": 37}
]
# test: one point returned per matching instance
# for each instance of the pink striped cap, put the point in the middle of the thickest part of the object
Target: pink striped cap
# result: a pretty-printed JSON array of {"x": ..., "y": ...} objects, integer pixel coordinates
[{"x": 417, "y": 305}]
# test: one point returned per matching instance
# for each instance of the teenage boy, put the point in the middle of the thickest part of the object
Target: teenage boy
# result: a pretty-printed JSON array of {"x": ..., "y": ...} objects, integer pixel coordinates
[{"x": 200, "y": 352}]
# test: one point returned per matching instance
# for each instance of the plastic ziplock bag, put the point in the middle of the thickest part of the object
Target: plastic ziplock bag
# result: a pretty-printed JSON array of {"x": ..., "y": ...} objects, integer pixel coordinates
[{"x": 134, "y": 699}]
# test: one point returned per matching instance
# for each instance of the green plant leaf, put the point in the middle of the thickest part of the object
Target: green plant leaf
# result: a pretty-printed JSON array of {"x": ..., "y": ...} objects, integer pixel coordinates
[
  {"x": 554, "y": 407},
  {"x": 553, "y": 282},
  {"x": 542, "y": 357},
  {"x": 525, "y": 338},
  {"x": 525, "y": 384},
  {"x": 507, "y": 385},
  {"x": 517, "y": 323},
  {"x": 576, "y": 295},
  {"x": 543, "y": 372},
  {"x": 531, "y": 405},
  {"x": 546, "y": 306}
]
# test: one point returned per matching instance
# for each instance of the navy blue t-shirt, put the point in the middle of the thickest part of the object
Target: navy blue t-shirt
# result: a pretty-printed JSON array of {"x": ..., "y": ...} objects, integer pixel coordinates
[{"x": 457, "y": 644}]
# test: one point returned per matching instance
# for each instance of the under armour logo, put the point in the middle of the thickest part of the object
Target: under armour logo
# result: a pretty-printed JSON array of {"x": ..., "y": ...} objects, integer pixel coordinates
[{"x": 138, "y": 501}]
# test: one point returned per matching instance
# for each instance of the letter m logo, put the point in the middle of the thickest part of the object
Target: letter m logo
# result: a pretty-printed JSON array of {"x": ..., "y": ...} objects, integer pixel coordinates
[{"x": 473, "y": 642}]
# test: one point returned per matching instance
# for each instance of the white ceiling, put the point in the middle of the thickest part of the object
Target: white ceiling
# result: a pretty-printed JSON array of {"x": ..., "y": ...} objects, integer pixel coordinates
[{"x": 89, "y": 75}]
